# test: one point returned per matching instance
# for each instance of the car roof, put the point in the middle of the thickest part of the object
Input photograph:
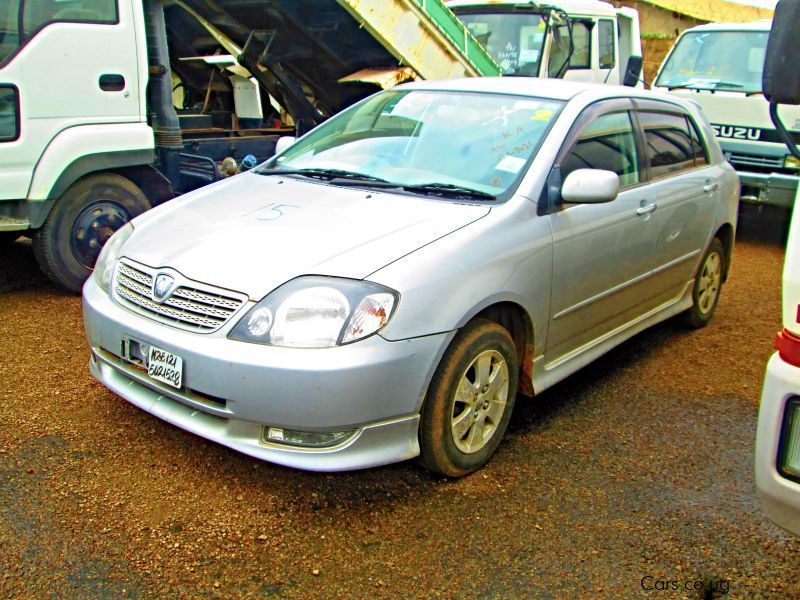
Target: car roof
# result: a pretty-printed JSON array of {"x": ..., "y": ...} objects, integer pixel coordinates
[
  {"x": 763, "y": 25},
  {"x": 553, "y": 89},
  {"x": 557, "y": 89}
]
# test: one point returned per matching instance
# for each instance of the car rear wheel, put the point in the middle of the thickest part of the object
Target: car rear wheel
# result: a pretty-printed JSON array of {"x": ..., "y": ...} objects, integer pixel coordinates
[
  {"x": 470, "y": 400},
  {"x": 707, "y": 285},
  {"x": 82, "y": 220}
]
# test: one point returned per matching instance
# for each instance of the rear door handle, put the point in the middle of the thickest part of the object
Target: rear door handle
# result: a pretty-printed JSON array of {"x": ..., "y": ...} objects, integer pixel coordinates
[
  {"x": 644, "y": 210},
  {"x": 112, "y": 82},
  {"x": 710, "y": 187}
]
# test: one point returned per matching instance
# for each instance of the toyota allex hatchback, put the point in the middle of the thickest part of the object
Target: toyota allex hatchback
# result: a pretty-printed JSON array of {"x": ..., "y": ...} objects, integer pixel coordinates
[{"x": 385, "y": 286}]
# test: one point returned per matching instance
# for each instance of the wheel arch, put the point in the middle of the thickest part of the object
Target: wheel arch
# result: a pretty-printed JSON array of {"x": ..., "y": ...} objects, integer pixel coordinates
[
  {"x": 726, "y": 235},
  {"x": 89, "y": 164},
  {"x": 516, "y": 320}
]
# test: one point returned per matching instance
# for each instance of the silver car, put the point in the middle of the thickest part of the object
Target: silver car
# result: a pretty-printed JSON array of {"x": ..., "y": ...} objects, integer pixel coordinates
[{"x": 383, "y": 288}]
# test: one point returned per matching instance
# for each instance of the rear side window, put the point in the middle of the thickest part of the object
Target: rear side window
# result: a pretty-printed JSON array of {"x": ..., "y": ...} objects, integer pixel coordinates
[
  {"x": 9, "y": 113},
  {"x": 20, "y": 20},
  {"x": 605, "y": 36},
  {"x": 668, "y": 143},
  {"x": 606, "y": 143},
  {"x": 699, "y": 150}
]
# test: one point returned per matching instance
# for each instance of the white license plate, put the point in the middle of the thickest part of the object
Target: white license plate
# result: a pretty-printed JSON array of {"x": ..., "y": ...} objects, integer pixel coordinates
[{"x": 165, "y": 367}]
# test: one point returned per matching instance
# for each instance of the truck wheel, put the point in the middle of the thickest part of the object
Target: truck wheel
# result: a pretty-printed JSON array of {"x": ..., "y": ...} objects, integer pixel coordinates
[
  {"x": 469, "y": 401},
  {"x": 82, "y": 220}
]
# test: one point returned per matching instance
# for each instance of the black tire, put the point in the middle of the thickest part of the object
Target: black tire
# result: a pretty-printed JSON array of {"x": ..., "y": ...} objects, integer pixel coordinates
[
  {"x": 81, "y": 221},
  {"x": 442, "y": 449},
  {"x": 707, "y": 286}
]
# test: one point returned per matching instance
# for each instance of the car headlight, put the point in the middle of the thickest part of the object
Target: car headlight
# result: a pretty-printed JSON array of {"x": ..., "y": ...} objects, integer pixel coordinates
[
  {"x": 791, "y": 162},
  {"x": 107, "y": 260},
  {"x": 317, "y": 312}
]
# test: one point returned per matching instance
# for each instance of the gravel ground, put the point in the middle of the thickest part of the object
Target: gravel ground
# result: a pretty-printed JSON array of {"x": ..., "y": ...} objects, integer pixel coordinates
[{"x": 636, "y": 469}]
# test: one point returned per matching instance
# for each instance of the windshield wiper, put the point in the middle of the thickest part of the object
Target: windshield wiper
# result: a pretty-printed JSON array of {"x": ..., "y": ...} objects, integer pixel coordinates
[
  {"x": 447, "y": 189},
  {"x": 326, "y": 174},
  {"x": 704, "y": 85}
]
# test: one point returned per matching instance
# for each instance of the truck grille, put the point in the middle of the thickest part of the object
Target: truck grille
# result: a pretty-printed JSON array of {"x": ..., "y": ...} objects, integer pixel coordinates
[
  {"x": 753, "y": 160},
  {"x": 193, "y": 306}
]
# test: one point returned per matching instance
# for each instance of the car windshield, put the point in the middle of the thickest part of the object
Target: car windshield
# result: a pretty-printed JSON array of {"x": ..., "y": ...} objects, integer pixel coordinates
[
  {"x": 716, "y": 60},
  {"x": 475, "y": 141},
  {"x": 513, "y": 40}
]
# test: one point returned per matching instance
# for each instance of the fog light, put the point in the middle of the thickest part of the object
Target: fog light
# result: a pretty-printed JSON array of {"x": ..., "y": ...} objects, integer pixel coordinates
[
  {"x": 791, "y": 162},
  {"x": 789, "y": 452},
  {"x": 311, "y": 439}
]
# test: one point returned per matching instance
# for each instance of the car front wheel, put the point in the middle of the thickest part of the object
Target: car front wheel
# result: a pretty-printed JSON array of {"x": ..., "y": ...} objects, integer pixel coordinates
[{"x": 470, "y": 400}]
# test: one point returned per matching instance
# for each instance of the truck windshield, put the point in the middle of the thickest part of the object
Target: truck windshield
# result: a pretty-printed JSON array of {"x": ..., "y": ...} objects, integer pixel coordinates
[
  {"x": 513, "y": 40},
  {"x": 477, "y": 141},
  {"x": 716, "y": 60}
]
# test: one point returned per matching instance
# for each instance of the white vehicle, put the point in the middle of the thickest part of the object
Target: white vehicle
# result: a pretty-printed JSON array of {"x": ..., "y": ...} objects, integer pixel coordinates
[
  {"x": 777, "y": 461},
  {"x": 778, "y": 437},
  {"x": 533, "y": 39},
  {"x": 720, "y": 67}
]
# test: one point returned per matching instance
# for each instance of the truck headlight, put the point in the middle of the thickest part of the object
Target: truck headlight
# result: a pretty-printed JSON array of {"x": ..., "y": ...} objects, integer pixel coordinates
[
  {"x": 109, "y": 254},
  {"x": 317, "y": 312},
  {"x": 791, "y": 162}
]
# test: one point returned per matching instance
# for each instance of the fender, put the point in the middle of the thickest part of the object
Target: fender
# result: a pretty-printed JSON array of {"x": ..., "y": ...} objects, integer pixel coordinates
[{"x": 84, "y": 149}]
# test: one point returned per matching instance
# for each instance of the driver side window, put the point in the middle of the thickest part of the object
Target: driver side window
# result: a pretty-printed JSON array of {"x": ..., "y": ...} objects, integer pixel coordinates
[{"x": 606, "y": 143}]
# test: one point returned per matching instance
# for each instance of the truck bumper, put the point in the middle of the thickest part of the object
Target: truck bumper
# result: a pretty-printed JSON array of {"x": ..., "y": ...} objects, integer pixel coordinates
[{"x": 774, "y": 189}]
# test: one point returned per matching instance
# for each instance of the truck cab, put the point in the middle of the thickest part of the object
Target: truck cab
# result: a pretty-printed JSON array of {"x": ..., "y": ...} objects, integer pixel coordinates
[
  {"x": 720, "y": 67},
  {"x": 577, "y": 40}
]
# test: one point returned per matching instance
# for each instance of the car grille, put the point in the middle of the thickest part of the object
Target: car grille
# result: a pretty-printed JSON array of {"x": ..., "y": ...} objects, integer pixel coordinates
[
  {"x": 193, "y": 306},
  {"x": 753, "y": 160}
]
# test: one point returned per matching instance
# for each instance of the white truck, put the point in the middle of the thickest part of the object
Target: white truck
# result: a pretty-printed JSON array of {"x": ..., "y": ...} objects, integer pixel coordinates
[
  {"x": 109, "y": 107},
  {"x": 720, "y": 67},
  {"x": 579, "y": 40}
]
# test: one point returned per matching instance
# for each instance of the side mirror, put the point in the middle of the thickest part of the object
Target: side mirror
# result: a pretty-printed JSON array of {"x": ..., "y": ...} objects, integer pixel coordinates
[
  {"x": 283, "y": 143},
  {"x": 781, "y": 78},
  {"x": 590, "y": 186},
  {"x": 633, "y": 71}
]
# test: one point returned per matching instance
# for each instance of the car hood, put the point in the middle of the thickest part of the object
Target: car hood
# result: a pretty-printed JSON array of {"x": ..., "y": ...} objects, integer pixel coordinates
[{"x": 251, "y": 233}]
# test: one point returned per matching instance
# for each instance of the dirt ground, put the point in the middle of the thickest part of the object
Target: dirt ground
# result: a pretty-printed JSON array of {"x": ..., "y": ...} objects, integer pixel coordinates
[{"x": 632, "y": 474}]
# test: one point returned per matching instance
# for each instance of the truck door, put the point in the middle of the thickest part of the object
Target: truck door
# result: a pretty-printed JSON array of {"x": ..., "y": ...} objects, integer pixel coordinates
[{"x": 63, "y": 64}]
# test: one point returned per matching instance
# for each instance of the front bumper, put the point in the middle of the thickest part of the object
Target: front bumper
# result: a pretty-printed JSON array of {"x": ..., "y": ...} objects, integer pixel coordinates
[
  {"x": 232, "y": 390},
  {"x": 775, "y": 189},
  {"x": 780, "y": 497}
]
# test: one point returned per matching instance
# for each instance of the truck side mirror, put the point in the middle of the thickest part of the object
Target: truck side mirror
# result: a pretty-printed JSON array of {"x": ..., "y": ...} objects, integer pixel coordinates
[
  {"x": 781, "y": 78},
  {"x": 633, "y": 71}
]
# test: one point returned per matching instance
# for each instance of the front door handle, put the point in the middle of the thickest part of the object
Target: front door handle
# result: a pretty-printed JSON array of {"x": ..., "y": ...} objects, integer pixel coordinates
[
  {"x": 710, "y": 187},
  {"x": 645, "y": 210},
  {"x": 112, "y": 82}
]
